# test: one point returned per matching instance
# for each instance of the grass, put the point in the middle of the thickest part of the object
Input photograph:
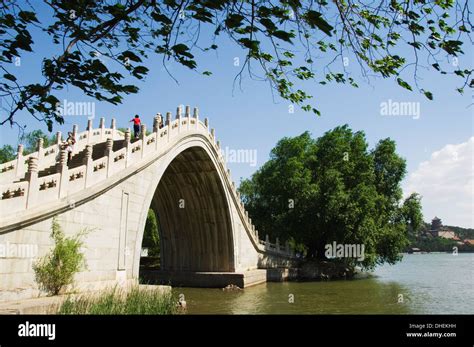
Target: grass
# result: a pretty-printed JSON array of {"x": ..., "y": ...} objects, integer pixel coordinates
[{"x": 117, "y": 302}]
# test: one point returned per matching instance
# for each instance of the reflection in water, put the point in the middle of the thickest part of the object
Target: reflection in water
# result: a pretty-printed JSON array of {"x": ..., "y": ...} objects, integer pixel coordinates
[{"x": 429, "y": 283}]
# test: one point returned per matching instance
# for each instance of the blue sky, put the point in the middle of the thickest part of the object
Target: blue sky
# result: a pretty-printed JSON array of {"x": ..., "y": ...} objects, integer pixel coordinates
[{"x": 252, "y": 119}]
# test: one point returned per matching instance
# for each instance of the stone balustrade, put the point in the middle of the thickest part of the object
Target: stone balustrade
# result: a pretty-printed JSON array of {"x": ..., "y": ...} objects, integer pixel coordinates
[
  {"x": 35, "y": 191},
  {"x": 16, "y": 169}
]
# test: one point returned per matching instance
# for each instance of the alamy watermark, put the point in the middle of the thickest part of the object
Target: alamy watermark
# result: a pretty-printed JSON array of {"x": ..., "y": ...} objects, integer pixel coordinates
[
  {"x": 400, "y": 108},
  {"x": 242, "y": 156},
  {"x": 76, "y": 108},
  {"x": 28, "y": 329},
  {"x": 18, "y": 250},
  {"x": 335, "y": 250}
]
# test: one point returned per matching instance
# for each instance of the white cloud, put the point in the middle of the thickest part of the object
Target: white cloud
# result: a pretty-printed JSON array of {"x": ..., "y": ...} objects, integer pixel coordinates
[{"x": 446, "y": 183}]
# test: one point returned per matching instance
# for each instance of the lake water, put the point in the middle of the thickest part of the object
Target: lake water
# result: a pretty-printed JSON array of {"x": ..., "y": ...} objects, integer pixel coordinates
[{"x": 419, "y": 284}]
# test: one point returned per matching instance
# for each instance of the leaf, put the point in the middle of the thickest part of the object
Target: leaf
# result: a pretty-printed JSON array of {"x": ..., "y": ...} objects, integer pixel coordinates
[
  {"x": 182, "y": 49},
  {"x": 283, "y": 35},
  {"x": 429, "y": 95},
  {"x": 207, "y": 73},
  {"x": 28, "y": 16},
  {"x": 315, "y": 19},
  {"x": 234, "y": 20},
  {"x": 268, "y": 24},
  {"x": 9, "y": 77},
  {"x": 403, "y": 84},
  {"x": 250, "y": 44},
  {"x": 131, "y": 56}
]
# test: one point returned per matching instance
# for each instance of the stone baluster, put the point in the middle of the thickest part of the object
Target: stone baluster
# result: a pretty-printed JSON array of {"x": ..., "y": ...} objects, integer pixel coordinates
[
  {"x": 168, "y": 123},
  {"x": 32, "y": 178},
  {"x": 40, "y": 148},
  {"x": 206, "y": 122},
  {"x": 75, "y": 130},
  {"x": 20, "y": 162},
  {"x": 90, "y": 130},
  {"x": 87, "y": 161},
  {"x": 59, "y": 138},
  {"x": 277, "y": 244},
  {"x": 196, "y": 116},
  {"x": 102, "y": 128},
  {"x": 156, "y": 122},
  {"x": 127, "y": 144},
  {"x": 143, "y": 139},
  {"x": 188, "y": 116},
  {"x": 256, "y": 236},
  {"x": 109, "y": 153},
  {"x": 113, "y": 127},
  {"x": 62, "y": 169},
  {"x": 156, "y": 128},
  {"x": 267, "y": 241},
  {"x": 213, "y": 135},
  {"x": 218, "y": 146},
  {"x": 179, "y": 111}
]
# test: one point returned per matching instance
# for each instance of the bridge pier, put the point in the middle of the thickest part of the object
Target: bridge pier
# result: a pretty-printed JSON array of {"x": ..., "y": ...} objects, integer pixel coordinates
[{"x": 205, "y": 279}]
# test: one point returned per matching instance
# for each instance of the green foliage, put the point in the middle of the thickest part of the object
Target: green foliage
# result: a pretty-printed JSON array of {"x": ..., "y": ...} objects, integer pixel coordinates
[
  {"x": 412, "y": 213},
  {"x": 151, "y": 235},
  {"x": 7, "y": 153},
  {"x": 439, "y": 244},
  {"x": 116, "y": 301},
  {"x": 283, "y": 39},
  {"x": 56, "y": 270},
  {"x": 30, "y": 140},
  {"x": 333, "y": 188}
]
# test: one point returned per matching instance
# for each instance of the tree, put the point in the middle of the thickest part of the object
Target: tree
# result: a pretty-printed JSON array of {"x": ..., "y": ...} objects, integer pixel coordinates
[
  {"x": 333, "y": 189},
  {"x": 412, "y": 213},
  {"x": 284, "y": 39},
  {"x": 151, "y": 236},
  {"x": 30, "y": 140},
  {"x": 56, "y": 270},
  {"x": 30, "y": 144},
  {"x": 7, "y": 153}
]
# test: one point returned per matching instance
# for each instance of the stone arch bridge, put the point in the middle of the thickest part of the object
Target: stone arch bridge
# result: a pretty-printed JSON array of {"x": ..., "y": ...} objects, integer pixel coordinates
[{"x": 207, "y": 237}]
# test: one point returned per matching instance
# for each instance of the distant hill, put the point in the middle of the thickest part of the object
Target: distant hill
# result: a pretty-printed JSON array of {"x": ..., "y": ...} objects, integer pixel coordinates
[{"x": 463, "y": 233}]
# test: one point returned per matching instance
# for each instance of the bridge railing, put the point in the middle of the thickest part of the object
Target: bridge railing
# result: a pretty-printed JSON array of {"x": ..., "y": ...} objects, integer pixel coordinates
[
  {"x": 34, "y": 190},
  {"x": 48, "y": 156}
]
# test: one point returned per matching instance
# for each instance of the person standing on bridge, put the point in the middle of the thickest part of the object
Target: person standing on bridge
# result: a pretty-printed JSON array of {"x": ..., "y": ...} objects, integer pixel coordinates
[
  {"x": 136, "y": 125},
  {"x": 69, "y": 145}
]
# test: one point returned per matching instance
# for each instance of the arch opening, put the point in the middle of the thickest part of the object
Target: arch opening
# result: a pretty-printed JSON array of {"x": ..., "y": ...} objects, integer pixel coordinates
[{"x": 193, "y": 216}]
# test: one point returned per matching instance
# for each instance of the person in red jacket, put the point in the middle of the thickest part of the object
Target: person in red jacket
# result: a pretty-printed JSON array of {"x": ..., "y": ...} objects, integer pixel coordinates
[{"x": 136, "y": 125}]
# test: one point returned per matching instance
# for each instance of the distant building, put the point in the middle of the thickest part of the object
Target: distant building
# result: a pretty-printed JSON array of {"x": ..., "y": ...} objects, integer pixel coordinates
[
  {"x": 436, "y": 224},
  {"x": 447, "y": 234},
  {"x": 437, "y": 230}
]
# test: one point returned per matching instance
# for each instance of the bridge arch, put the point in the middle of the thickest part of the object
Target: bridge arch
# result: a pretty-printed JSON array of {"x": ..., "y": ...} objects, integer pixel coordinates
[
  {"x": 192, "y": 204},
  {"x": 109, "y": 187}
]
